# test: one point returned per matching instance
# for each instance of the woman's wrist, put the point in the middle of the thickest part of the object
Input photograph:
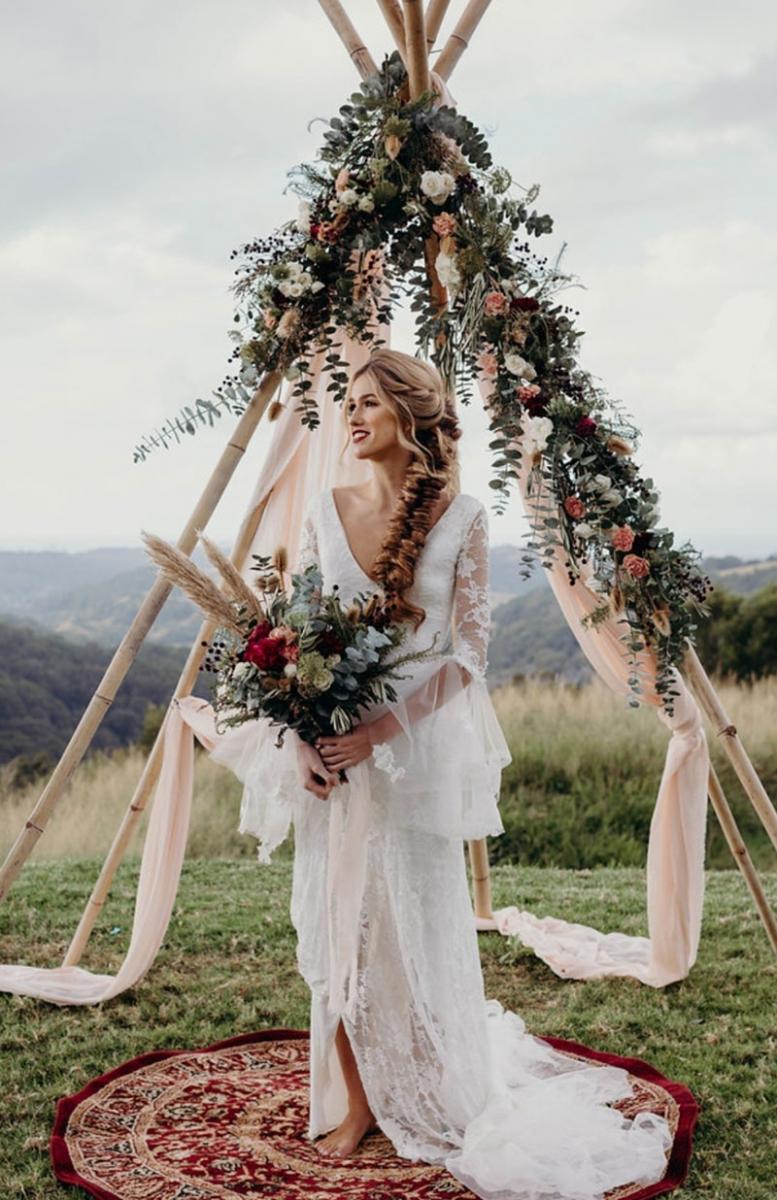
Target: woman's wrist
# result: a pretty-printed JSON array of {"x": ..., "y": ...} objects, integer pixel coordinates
[{"x": 383, "y": 729}]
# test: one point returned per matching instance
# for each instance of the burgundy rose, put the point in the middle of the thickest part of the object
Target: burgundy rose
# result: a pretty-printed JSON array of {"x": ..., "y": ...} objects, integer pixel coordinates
[
  {"x": 268, "y": 654},
  {"x": 585, "y": 427},
  {"x": 259, "y": 631},
  {"x": 330, "y": 643},
  {"x": 524, "y": 304}
]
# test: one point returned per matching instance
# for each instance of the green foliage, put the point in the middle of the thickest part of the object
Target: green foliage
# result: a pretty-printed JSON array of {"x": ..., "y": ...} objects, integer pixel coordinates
[
  {"x": 739, "y": 637},
  {"x": 46, "y": 683}
]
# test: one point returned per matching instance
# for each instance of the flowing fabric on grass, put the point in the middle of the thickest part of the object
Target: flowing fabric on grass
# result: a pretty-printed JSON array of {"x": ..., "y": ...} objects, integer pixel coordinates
[{"x": 675, "y": 857}]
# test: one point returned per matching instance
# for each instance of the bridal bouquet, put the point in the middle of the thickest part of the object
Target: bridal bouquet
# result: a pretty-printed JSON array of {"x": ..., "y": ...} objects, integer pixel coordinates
[{"x": 299, "y": 658}]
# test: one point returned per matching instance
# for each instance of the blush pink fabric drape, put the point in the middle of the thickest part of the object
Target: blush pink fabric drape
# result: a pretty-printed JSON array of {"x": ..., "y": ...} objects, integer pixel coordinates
[{"x": 675, "y": 858}]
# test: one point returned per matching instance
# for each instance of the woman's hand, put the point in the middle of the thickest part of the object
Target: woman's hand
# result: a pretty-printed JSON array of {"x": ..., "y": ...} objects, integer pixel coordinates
[
  {"x": 314, "y": 773},
  {"x": 346, "y": 749}
]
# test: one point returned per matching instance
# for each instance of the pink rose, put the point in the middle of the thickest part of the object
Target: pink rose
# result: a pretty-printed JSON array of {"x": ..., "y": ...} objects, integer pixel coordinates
[
  {"x": 574, "y": 507},
  {"x": 637, "y": 567},
  {"x": 495, "y": 303},
  {"x": 444, "y": 224},
  {"x": 623, "y": 537},
  {"x": 488, "y": 364}
]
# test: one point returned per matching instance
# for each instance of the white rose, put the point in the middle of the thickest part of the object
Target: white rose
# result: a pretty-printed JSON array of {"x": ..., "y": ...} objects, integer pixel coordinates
[
  {"x": 603, "y": 482},
  {"x": 305, "y": 279},
  {"x": 583, "y": 529},
  {"x": 349, "y": 197},
  {"x": 290, "y": 670},
  {"x": 611, "y": 497},
  {"x": 294, "y": 270},
  {"x": 334, "y": 204},
  {"x": 517, "y": 365},
  {"x": 447, "y": 271},
  {"x": 437, "y": 185},
  {"x": 366, "y": 204},
  {"x": 536, "y": 432},
  {"x": 303, "y": 217}
]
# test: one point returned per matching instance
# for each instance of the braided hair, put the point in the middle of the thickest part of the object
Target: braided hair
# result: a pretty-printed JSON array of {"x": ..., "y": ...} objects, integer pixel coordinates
[{"x": 428, "y": 427}]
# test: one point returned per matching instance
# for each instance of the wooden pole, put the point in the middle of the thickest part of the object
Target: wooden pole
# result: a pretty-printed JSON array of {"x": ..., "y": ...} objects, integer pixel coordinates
[
  {"x": 435, "y": 15},
  {"x": 133, "y": 638},
  {"x": 481, "y": 878},
  {"x": 345, "y": 30},
  {"x": 741, "y": 857},
  {"x": 150, "y": 775},
  {"x": 460, "y": 38},
  {"x": 393, "y": 13},
  {"x": 417, "y": 53},
  {"x": 709, "y": 701}
]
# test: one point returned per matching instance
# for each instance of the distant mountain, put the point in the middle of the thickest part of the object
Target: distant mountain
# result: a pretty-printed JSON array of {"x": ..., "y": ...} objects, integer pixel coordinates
[
  {"x": 92, "y": 596},
  {"x": 529, "y": 636},
  {"x": 741, "y": 576},
  {"x": 46, "y": 683}
]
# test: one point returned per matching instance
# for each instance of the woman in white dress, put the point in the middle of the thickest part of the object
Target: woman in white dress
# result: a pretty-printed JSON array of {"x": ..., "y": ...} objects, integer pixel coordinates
[{"x": 418, "y": 1051}]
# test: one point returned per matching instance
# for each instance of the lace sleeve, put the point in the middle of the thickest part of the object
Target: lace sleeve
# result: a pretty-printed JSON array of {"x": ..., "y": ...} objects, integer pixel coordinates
[
  {"x": 472, "y": 606},
  {"x": 470, "y": 621}
]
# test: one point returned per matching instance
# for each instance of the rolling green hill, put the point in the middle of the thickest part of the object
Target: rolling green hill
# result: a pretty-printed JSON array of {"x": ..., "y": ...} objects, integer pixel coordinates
[{"x": 46, "y": 683}]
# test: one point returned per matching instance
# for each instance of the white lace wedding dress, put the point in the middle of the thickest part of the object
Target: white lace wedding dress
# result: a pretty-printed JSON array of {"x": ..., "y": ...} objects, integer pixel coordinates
[{"x": 452, "y": 1077}]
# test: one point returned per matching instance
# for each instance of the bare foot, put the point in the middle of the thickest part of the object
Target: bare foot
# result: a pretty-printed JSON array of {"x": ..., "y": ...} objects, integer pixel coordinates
[{"x": 343, "y": 1141}]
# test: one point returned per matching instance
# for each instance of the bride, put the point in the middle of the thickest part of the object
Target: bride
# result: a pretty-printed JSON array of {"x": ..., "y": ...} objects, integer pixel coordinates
[{"x": 402, "y": 1036}]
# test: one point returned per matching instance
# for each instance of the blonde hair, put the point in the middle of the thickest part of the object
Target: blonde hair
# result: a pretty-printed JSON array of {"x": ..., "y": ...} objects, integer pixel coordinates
[{"x": 428, "y": 427}]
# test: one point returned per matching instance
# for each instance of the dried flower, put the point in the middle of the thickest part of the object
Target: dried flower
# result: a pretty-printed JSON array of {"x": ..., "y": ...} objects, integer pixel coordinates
[
  {"x": 619, "y": 445},
  {"x": 392, "y": 145},
  {"x": 288, "y": 322},
  {"x": 660, "y": 618},
  {"x": 341, "y": 181}
]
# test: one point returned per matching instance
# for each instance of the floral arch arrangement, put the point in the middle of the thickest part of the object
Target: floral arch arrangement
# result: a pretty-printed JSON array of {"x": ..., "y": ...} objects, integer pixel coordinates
[{"x": 403, "y": 193}]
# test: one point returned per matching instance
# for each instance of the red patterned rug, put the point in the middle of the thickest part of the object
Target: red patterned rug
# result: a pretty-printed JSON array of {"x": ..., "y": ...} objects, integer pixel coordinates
[{"x": 230, "y": 1120}]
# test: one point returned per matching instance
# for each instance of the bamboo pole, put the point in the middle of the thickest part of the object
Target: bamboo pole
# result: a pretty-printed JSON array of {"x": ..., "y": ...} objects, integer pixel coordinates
[
  {"x": 393, "y": 13},
  {"x": 150, "y": 775},
  {"x": 481, "y": 878},
  {"x": 417, "y": 53},
  {"x": 131, "y": 642},
  {"x": 344, "y": 28},
  {"x": 742, "y": 857},
  {"x": 701, "y": 685},
  {"x": 435, "y": 15},
  {"x": 460, "y": 38}
]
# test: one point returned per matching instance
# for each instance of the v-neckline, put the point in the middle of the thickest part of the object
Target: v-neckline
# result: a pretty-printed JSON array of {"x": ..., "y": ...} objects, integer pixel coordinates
[{"x": 347, "y": 544}]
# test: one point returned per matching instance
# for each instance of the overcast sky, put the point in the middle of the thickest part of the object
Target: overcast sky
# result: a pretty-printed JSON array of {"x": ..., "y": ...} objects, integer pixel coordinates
[{"x": 142, "y": 142}]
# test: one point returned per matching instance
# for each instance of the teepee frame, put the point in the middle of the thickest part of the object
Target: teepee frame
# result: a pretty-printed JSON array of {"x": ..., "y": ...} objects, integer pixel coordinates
[{"x": 414, "y": 31}]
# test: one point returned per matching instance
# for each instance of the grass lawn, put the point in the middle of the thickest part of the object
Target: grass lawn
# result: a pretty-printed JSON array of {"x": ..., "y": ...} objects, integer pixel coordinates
[{"x": 227, "y": 966}]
